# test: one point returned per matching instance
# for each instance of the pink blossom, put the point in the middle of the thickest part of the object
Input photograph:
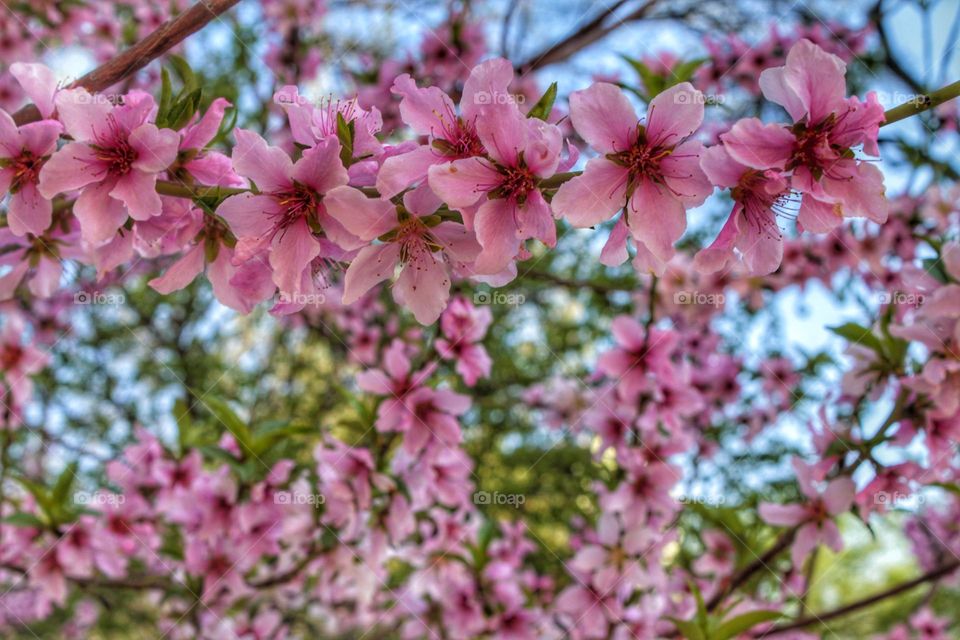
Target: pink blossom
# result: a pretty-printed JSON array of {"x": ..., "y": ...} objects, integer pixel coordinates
[
  {"x": 751, "y": 227},
  {"x": 115, "y": 158},
  {"x": 425, "y": 247},
  {"x": 23, "y": 153},
  {"x": 651, "y": 171},
  {"x": 288, "y": 206},
  {"x": 814, "y": 518},
  {"x": 521, "y": 152},
  {"x": 817, "y": 148}
]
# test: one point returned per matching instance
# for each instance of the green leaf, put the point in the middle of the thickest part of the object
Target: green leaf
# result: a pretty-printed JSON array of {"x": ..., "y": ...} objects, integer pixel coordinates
[
  {"x": 857, "y": 334},
  {"x": 184, "y": 72},
  {"x": 23, "y": 519},
  {"x": 689, "y": 629},
  {"x": 652, "y": 82},
  {"x": 544, "y": 105},
  {"x": 739, "y": 624},
  {"x": 685, "y": 70},
  {"x": 345, "y": 132},
  {"x": 222, "y": 411},
  {"x": 61, "y": 490}
]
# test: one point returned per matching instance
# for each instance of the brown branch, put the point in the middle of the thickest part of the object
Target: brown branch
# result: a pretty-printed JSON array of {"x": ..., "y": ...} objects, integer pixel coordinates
[
  {"x": 930, "y": 576},
  {"x": 741, "y": 576},
  {"x": 168, "y": 35},
  {"x": 583, "y": 37}
]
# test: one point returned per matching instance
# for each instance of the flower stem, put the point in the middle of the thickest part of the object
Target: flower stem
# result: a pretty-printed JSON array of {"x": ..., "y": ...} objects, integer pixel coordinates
[{"x": 922, "y": 103}]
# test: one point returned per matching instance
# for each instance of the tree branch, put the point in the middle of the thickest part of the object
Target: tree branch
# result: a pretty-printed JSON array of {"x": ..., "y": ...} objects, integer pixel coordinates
[
  {"x": 930, "y": 576},
  {"x": 168, "y": 35}
]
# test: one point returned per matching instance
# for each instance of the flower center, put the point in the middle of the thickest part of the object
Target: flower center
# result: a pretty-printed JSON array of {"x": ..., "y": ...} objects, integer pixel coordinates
[
  {"x": 10, "y": 355},
  {"x": 516, "y": 182},
  {"x": 119, "y": 156},
  {"x": 298, "y": 202},
  {"x": 26, "y": 168}
]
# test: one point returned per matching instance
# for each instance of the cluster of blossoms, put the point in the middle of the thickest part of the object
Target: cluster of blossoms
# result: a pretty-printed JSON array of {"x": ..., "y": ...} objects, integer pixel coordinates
[
  {"x": 487, "y": 180},
  {"x": 242, "y": 537}
]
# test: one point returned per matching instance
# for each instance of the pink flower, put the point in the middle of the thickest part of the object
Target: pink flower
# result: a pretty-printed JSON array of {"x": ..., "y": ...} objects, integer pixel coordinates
[
  {"x": 521, "y": 151},
  {"x": 287, "y": 208},
  {"x": 18, "y": 360},
  {"x": 814, "y": 518},
  {"x": 115, "y": 157},
  {"x": 397, "y": 381},
  {"x": 817, "y": 148},
  {"x": 638, "y": 357},
  {"x": 206, "y": 166},
  {"x": 425, "y": 248},
  {"x": 23, "y": 152},
  {"x": 651, "y": 170},
  {"x": 464, "y": 326},
  {"x": 430, "y": 112},
  {"x": 752, "y": 227}
]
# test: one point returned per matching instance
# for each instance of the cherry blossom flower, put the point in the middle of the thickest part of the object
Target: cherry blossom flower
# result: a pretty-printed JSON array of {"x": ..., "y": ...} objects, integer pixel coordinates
[
  {"x": 815, "y": 518},
  {"x": 652, "y": 170},
  {"x": 115, "y": 158},
  {"x": 817, "y": 149},
  {"x": 522, "y": 151}
]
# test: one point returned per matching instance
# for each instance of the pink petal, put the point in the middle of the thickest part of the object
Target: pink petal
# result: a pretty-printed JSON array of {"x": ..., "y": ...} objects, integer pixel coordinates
[
  {"x": 366, "y": 218},
  {"x": 534, "y": 220},
  {"x": 423, "y": 287},
  {"x": 182, "y": 272},
  {"x": 758, "y": 145},
  {"x": 72, "y": 167},
  {"x": 719, "y": 255},
  {"x": 100, "y": 215},
  {"x": 399, "y": 172},
  {"x": 248, "y": 214},
  {"x": 29, "y": 212},
  {"x": 656, "y": 218},
  {"x": 320, "y": 166},
  {"x": 487, "y": 84},
  {"x": 817, "y": 216},
  {"x": 503, "y": 131},
  {"x": 817, "y": 77},
  {"x": 138, "y": 190},
  {"x": 682, "y": 172},
  {"x": 156, "y": 148},
  {"x": 427, "y": 111},
  {"x": 674, "y": 115},
  {"x": 293, "y": 249},
  {"x": 838, "y": 496},
  {"x": 461, "y": 183},
  {"x": 83, "y": 115},
  {"x": 604, "y": 117},
  {"x": 773, "y": 84},
  {"x": 269, "y": 167},
  {"x": 783, "y": 515},
  {"x": 373, "y": 265},
  {"x": 614, "y": 252},
  {"x": 38, "y": 82},
  {"x": 496, "y": 230},
  {"x": 593, "y": 197},
  {"x": 199, "y": 134},
  {"x": 720, "y": 168}
]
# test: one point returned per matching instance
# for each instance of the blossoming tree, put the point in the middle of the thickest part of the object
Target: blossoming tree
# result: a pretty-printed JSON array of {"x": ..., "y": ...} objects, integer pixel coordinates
[{"x": 312, "y": 335}]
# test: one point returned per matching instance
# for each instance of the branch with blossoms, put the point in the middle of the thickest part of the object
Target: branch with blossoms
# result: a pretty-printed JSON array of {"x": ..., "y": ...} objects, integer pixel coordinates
[{"x": 374, "y": 508}]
